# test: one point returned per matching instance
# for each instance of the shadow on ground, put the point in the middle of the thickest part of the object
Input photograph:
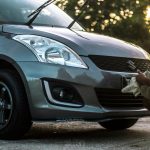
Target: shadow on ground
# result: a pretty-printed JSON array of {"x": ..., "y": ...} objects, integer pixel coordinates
[
  {"x": 82, "y": 135},
  {"x": 81, "y": 131}
]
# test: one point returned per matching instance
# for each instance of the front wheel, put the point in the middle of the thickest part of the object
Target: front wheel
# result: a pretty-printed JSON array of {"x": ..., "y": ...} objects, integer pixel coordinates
[
  {"x": 15, "y": 118},
  {"x": 119, "y": 124}
]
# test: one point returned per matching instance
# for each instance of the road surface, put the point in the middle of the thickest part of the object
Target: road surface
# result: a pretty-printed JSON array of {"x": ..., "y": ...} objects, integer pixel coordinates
[{"x": 82, "y": 136}]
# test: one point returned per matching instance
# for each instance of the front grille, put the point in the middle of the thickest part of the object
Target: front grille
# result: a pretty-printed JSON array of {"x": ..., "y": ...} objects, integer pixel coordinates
[
  {"x": 119, "y": 63},
  {"x": 113, "y": 98}
]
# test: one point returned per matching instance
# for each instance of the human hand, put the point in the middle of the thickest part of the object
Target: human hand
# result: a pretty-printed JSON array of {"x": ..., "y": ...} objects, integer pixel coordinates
[{"x": 142, "y": 79}]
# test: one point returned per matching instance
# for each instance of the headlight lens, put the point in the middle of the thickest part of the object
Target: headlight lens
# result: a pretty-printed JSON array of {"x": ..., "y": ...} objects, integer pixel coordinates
[{"x": 51, "y": 51}]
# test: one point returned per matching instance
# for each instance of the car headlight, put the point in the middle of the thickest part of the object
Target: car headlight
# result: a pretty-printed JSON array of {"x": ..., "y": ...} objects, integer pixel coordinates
[{"x": 51, "y": 51}]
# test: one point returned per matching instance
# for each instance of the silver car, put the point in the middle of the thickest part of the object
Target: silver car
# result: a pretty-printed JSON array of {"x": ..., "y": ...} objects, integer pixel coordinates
[{"x": 50, "y": 71}]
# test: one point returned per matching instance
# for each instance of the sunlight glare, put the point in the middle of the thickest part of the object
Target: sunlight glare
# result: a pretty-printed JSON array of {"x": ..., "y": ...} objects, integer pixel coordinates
[{"x": 148, "y": 13}]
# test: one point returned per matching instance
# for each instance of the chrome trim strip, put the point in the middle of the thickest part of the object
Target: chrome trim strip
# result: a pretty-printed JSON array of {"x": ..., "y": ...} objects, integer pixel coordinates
[{"x": 53, "y": 101}]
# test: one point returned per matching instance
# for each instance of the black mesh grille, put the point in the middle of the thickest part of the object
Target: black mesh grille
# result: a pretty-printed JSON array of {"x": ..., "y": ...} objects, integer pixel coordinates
[
  {"x": 119, "y": 63},
  {"x": 112, "y": 98}
]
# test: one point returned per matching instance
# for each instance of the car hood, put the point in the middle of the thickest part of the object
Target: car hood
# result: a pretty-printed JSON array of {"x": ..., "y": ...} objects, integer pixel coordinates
[{"x": 83, "y": 43}]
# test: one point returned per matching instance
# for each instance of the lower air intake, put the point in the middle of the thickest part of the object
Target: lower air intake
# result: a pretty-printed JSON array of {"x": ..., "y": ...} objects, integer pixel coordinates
[{"x": 114, "y": 99}]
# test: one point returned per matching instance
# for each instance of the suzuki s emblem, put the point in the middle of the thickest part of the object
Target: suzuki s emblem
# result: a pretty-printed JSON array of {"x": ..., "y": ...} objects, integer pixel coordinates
[{"x": 131, "y": 65}]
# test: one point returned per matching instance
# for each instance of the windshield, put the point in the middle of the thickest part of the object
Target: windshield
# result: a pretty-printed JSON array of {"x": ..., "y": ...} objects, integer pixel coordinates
[{"x": 17, "y": 11}]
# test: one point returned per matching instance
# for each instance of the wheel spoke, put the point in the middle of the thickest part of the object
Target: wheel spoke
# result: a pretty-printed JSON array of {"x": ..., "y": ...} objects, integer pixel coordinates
[
  {"x": 2, "y": 117},
  {"x": 2, "y": 92},
  {"x": 8, "y": 106}
]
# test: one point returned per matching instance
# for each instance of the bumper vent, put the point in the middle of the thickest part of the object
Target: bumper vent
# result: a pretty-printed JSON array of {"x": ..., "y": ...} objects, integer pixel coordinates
[
  {"x": 119, "y": 64},
  {"x": 112, "y": 98}
]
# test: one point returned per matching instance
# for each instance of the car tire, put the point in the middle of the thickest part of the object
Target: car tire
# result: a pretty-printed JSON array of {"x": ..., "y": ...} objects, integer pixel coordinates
[
  {"x": 120, "y": 124},
  {"x": 15, "y": 119}
]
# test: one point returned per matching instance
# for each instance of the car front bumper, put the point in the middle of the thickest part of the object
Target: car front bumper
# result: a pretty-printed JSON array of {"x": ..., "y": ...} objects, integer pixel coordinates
[{"x": 84, "y": 81}]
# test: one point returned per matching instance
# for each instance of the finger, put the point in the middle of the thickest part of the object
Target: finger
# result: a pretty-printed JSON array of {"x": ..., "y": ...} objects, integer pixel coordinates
[{"x": 139, "y": 71}]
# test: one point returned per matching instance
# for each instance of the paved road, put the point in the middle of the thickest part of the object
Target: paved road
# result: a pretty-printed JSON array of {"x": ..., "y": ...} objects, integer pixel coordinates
[{"x": 80, "y": 135}]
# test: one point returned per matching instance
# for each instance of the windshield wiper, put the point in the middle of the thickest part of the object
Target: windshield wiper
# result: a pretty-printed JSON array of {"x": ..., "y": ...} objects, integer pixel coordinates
[
  {"x": 37, "y": 12},
  {"x": 78, "y": 16}
]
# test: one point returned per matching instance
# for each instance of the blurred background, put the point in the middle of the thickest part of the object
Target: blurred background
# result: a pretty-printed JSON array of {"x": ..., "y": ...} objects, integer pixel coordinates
[{"x": 125, "y": 19}]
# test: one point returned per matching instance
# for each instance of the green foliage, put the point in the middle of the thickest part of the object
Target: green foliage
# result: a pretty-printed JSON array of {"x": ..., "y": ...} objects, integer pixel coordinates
[{"x": 124, "y": 19}]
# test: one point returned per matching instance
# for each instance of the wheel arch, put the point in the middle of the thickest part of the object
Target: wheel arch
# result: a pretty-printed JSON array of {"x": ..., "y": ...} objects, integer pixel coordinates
[{"x": 8, "y": 63}]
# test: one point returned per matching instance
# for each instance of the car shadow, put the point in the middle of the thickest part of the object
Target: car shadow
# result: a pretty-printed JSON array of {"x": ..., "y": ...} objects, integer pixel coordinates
[
  {"x": 81, "y": 135},
  {"x": 80, "y": 131}
]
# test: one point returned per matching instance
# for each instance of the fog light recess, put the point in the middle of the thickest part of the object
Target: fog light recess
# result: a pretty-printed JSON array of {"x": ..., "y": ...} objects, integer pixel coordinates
[{"x": 61, "y": 93}]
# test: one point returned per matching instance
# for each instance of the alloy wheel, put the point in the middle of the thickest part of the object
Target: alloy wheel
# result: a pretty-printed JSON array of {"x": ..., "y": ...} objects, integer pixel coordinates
[{"x": 6, "y": 105}]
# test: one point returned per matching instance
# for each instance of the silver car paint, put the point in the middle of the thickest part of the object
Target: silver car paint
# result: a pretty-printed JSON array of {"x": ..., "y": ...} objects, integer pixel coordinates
[{"x": 85, "y": 80}]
